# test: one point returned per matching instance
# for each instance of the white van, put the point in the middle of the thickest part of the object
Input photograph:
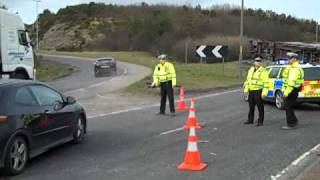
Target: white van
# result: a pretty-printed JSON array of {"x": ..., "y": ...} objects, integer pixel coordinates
[{"x": 16, "y": 52}]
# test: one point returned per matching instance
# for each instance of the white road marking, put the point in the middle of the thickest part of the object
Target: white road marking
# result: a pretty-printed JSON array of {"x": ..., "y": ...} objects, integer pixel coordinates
[
  {"x": 202, "y": 124},
  {"x": 74, "y": 91},
  {"x": 101, "y": 96},
  {"x": 171, "y": 131},
  {"x": 155, "y": 105},
  {"x": 123, "y": 111},
  {"x": 296, "y": 162},
  {"x": 302, "y": 157}
]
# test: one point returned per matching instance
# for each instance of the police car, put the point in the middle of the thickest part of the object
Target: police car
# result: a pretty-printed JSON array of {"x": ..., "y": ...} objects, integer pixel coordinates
[{"x": 310, "y": 92}]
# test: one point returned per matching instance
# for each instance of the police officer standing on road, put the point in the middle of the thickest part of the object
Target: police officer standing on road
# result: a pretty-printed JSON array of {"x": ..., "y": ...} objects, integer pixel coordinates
[
  {"x": 293, "y": 79},
  {"x": 256, "y": 85},
  {"x": 165, "y": 76}
]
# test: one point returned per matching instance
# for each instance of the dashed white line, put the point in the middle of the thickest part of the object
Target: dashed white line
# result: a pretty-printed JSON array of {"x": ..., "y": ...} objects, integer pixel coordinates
[
  {"x": 123, "y": 111},
  {"x": 171, "y": 131}
]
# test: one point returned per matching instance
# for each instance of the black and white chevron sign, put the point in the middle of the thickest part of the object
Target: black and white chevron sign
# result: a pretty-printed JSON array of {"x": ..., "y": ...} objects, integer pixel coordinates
[{"x": 218, "y": 51}]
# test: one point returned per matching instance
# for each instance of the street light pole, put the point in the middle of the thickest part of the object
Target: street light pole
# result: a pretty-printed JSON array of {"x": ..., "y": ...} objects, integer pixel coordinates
[
  {"x": 317, "y": 31},
  {"x": 37, "y": 15},
  {"x": 241, "y": 41}
]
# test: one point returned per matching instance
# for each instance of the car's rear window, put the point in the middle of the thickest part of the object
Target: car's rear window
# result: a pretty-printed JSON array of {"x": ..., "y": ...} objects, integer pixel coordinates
[
  {"x": 104, "y": 60},
  {"x": 312, "y": 73}
]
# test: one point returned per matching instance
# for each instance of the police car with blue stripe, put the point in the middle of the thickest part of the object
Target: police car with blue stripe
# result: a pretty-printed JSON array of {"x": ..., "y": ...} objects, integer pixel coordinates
[{"x": 310, "y": 92}]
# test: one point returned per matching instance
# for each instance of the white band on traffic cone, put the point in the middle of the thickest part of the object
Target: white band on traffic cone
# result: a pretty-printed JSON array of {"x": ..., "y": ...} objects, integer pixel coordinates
[
  {"x": 192, "y": 147},
  {"x": 192, "y": 104},
  {"x": 192, "y": 114},
  {"x": 192, "y": 132}
]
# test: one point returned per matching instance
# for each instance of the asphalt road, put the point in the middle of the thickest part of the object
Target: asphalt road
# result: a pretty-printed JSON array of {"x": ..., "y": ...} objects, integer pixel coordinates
[
  {"x": 82, "y": 78},
  {"x": 128, "y": 145}
]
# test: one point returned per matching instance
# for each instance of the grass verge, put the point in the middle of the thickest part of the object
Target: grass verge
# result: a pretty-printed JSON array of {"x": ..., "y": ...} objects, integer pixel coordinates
[{"x": 50, "y": 70}]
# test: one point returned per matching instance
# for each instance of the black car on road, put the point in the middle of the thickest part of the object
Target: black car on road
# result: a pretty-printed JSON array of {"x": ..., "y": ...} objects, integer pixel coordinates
[
  {"x": 34, "y": 118},
  {"x": 105, "y": 66}
]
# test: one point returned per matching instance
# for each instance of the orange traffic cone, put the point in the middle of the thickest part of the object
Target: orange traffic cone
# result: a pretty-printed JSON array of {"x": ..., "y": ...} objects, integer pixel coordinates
[
  {"x": 192, "y": 120},
  {"x": 192, "y": 158},
  {"x": 182, "y": 105}
]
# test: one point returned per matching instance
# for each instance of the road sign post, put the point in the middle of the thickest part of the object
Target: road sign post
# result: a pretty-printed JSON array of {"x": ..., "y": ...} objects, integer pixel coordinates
[
  {"x": 200, "y": 65},
  {"x": 223, "y": 68}
]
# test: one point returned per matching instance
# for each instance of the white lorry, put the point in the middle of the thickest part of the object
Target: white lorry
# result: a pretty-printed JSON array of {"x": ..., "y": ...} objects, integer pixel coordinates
[{"x": 16, "y": 52}]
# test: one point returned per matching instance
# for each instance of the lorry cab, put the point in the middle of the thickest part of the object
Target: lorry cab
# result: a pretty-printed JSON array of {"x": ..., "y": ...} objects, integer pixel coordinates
[{"x": 16, "y": 52}]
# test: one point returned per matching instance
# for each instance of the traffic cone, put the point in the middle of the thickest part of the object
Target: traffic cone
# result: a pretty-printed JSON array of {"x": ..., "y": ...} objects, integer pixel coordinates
[
  {"x": 182, "y": 105},
  {"x": 192, "y": 158},
  {"x": 192, "y": 120}
]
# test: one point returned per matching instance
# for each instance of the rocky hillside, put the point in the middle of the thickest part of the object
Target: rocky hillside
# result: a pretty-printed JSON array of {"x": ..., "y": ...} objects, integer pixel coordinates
[{"x": 162, "y": 28}]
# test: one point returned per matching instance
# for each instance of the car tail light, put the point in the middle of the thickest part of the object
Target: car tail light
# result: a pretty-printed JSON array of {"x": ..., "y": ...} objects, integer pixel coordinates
[{"x": 3, "y": 118}]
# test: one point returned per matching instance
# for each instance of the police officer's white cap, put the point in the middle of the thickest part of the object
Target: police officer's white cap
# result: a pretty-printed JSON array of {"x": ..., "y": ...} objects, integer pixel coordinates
[
  {"x": 292, "y": 55},
  {"x": 162, "y": 56},
  {"x": 259, "y": 59}
]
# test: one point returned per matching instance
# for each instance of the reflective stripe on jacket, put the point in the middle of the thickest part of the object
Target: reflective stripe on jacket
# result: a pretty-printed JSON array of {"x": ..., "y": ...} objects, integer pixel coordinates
[
  {"x": 257, "y": 80},
  {"x": 164, "y": 73},
  {"x": 294, "y": 78}
]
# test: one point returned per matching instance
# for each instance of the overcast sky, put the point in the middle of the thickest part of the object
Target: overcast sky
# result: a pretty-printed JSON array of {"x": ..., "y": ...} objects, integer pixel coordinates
[{"x": 307, "y": 9}]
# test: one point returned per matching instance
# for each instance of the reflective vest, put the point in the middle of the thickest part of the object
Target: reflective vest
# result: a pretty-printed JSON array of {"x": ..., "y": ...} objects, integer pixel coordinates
[
  {"x": 257, "y": 80},
  {"x": 293, "y": 78},
  {"x": 164, "y": 73}
]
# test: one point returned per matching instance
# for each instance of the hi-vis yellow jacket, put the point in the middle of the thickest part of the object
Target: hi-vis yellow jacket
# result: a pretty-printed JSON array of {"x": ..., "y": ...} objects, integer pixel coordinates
[
  {"x": 257, "y": 80},
  {"x": 293, "y": 78},
  {"x": 164, "y": 73}
]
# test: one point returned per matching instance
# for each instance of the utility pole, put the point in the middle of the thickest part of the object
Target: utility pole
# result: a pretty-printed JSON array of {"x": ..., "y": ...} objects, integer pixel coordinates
[
  {"x": 186, "y": 50},
  {"x": 37, "y": 15},
  {"x": 317, "y": 31},
  {"x": 241, "y": 41}
]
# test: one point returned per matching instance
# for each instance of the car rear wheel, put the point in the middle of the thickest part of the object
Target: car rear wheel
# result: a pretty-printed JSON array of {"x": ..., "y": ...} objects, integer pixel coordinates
[
  {"x": 279, "y": 100},
  {"x": 16, "y": 157},
  {"x": 96, "y": 72},
  {"x": 78, "y": 134}
]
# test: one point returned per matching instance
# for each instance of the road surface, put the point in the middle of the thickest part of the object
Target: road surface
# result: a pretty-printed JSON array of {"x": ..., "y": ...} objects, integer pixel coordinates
[{"x": 138, "y": 145}]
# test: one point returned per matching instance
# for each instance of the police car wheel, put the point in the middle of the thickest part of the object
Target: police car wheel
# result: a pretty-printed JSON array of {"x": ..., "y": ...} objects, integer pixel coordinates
[{"x": 279, "y": 100}]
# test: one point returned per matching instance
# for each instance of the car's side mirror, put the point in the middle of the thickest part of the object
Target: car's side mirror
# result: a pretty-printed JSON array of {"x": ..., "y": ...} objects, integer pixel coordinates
[
  {"x": 58, "y": 105},
  {"x": 32, "y": 44},
  {"x": 70, "y": 100}
]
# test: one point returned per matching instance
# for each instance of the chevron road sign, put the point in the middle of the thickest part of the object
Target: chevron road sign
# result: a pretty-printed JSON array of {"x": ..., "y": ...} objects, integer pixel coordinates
[{"x": 217, "y": 51}]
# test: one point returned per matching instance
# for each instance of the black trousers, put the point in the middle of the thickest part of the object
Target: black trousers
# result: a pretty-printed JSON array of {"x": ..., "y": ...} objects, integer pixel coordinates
[
  {"x": 289, "y": 105},
  {"x": 166, "y": 90},
  {"x": 255, "y": 99}
]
